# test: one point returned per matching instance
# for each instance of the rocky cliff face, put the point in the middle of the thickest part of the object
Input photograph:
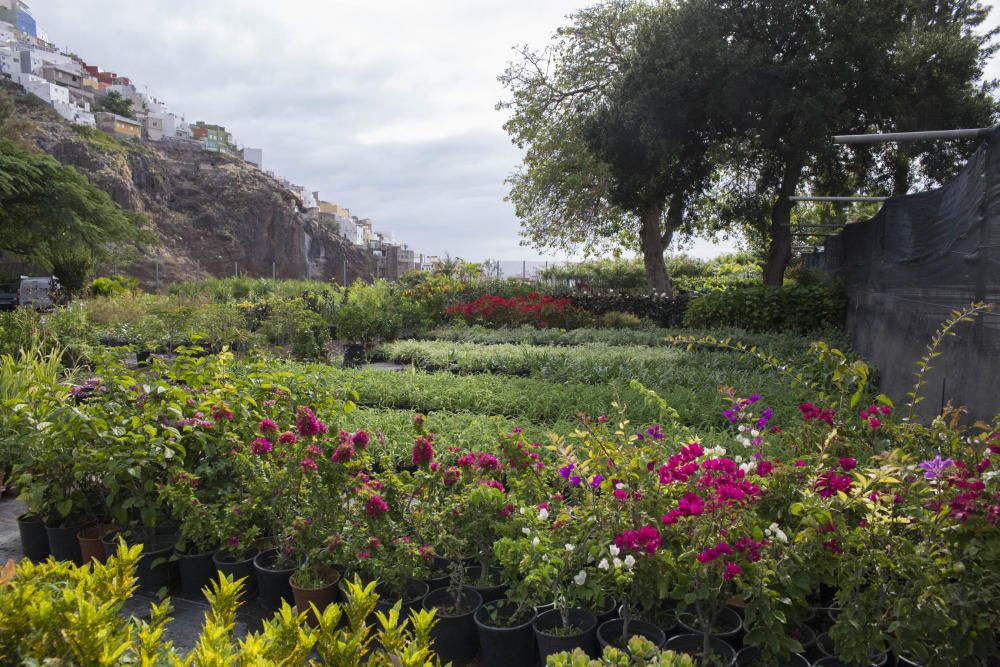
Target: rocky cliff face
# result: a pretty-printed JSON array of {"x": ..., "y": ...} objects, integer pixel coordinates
[{"x": 214, "y": 214}]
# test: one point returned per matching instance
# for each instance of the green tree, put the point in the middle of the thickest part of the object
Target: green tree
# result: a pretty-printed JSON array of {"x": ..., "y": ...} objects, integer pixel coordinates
[
  {"x": 825, "y": 67},
  {"x": 115, "y": 102},
  {"x": 564, "y": 191}
]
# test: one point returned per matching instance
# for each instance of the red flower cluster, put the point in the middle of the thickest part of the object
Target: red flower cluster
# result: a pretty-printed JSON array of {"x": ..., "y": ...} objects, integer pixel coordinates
[
  {"x": 307, "y": 424},
  {"x": 829, "y": 483},
  {"x": 540, "y": 311},
  {"x": 681, "y": 466},
  {"x": 872, "y": 413},
  {"x": 423, "y": 450}
]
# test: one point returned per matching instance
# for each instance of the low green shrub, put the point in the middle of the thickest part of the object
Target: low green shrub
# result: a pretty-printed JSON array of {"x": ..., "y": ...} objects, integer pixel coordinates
[
  {"x": 792, "y": 308},
  {"x": 619, "y": 320},
  {"x": 112, "y": 286},
  {"x": 291, "y": 323}
]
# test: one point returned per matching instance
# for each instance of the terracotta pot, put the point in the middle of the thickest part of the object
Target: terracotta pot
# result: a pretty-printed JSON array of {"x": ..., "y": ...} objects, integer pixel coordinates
[
  {"x": 321, "y": 597},
  {"x": 91, "y": 546}
]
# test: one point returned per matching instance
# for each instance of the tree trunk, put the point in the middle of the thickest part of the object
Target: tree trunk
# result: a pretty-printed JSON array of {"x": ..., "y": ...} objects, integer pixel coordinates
[
  {"x": 900, "y": 173},
  {"x": 780, "y": 251},
  {"x": 652, "y": 251}
]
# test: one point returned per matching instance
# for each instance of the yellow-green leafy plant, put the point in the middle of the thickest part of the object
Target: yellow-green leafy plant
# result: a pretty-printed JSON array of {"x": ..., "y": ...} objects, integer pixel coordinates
[
  {"x": 640, "y": 651},
  {"x": 60, "y": 614}
]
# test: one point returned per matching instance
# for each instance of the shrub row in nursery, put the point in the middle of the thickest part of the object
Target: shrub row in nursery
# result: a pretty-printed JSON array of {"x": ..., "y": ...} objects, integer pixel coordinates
[
  {"x": 788, "y": 345},
  {"x": 866, "y": 535},
  {"x": 688, "y": 379},
  {"x": 792, "y": 308},
  {"x": 529, "y": 399},
  {"x": 394, "y": 429},
  {"x": 665, "y": 311}
]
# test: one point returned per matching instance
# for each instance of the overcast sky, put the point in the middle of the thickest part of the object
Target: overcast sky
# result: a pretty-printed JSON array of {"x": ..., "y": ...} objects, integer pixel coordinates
[{"x": 384, "y": 106}]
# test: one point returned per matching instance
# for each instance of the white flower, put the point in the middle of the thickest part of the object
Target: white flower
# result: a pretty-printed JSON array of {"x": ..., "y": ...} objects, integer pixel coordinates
[
  {"x": 603, "y": 565},
  {"x": 743, "y": 428},
  {"x": 526, "y": 530},
  {"x": 714, "y": 452},
  {"x": 580, "y": 578},
  {"x": 543, "y": 514},
  {"x": 569, "y": 547},
  {"x": 619, "y": 485},
  {"x": 745, "y": 467},
  {"x": 614, "y": 550},
  {"x": 774, "y": 531},
  {"x": 755, "y": 433},
  {"x": 743, "y": 440},
  {"x": 545, "y": 558},
  {"x": 522, "y": 510},
  {"x": 738, "y": 459},
  {"x": 535, "y": 542},
  {"x": 617, "y": 562},
  {"x": 629, "y": 561}
]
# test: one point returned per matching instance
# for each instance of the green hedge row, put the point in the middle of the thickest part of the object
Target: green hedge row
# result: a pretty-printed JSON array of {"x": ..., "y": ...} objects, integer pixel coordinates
[{"x": 792, "y": 308}]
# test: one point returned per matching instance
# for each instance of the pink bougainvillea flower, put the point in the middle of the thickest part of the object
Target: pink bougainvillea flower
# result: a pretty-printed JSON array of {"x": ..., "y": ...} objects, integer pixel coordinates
[
  {"x": 286, "y": 438},
  {"x": 360, "y": 440},
  {"x": 343, "y": 453},
  {"x": 261, "y": 446},
  {"x": 847, "y": 464},
  {"x": 267, "y": 426},
  {"x": 308, "y": 464},
  {"x": 423, "y": 451},
  {"x": 731, "y": 571},
  {"x": 307, "y": 423},
  {"x": 375, "y": 507}
]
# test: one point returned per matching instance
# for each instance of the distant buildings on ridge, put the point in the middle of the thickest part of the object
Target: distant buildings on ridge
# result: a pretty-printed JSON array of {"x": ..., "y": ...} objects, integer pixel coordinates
[{"x": 79, "y": 92}]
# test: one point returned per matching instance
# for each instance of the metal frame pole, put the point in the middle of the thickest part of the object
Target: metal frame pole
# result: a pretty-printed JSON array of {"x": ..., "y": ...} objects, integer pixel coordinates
[{"x": 974, "y": 133}]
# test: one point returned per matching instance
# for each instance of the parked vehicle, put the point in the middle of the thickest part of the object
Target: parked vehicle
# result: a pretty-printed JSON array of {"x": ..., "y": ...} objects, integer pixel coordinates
[{"x": 40, "y": 293}]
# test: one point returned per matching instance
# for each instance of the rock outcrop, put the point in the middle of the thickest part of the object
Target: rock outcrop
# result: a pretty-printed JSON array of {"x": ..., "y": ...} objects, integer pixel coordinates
[{"x": 214, "y": 214}]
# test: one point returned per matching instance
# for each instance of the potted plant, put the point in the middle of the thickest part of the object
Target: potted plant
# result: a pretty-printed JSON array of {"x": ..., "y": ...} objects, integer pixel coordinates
[
  {"x": 506, "y": 636},
  {"x": 455, "y": 637},
  {"x": 369, "y": 313},
  {"x": 554, "y": 552},
  {"x": 198, "y": 534}
]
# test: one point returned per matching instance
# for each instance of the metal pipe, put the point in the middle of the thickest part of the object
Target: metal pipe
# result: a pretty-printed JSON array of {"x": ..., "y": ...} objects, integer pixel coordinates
[
  {"x": 974, "y": 133},
  {"x": 838, "y": 199}
]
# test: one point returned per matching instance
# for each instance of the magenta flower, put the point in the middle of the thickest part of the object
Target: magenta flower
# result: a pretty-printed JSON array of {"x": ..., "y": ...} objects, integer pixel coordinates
[
  {"x": 829, "y": 483},
  {"x": 451, "y": 476},
  {"x": 308, "y": 464},
  {"x": 307, "y": 424},
  {"x": 267, "y": 426},
  {"x": 261, "y": 446},
  {"x": 343, "y": 453},
  {"x": 360, "y": 440},
  {"x": 731, "y": 571},
  {"x": 286, "y": 438},
  {"x": 221, "y": 412},
  {"x": 423, "y": 451},
  {"x": 375, "y": 507},
  {"x": 848, "y": 464}
]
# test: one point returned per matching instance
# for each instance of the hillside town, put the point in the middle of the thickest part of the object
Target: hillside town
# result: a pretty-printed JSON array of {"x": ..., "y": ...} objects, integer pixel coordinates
[{"x": 84, "y": 94}]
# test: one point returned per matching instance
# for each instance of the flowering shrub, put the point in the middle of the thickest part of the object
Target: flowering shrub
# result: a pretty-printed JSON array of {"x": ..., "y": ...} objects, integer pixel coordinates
[{"x": 534, "y": 309}]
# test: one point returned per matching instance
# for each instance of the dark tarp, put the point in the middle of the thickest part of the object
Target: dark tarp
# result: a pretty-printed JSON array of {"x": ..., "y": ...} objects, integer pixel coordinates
[{"x": 921, "y": 257}]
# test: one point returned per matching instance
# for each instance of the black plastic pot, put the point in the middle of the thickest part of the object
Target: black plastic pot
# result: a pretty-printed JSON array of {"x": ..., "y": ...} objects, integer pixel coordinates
[
  {"x": 609, "y": 612},
  {"x": 439, "y": 574},
  {"x": 273, "y": 587},
  {"x": 728, "y": 625},
  {"x": 34, "y": 537},
  {"x": 153, "y": 569},
  {"x": 415, "y": 592},
  {"x": 750, "y": 657},
  {"x": 488, "y": 593},
  {"x": 455, "y": 637},
  {"x": 585, "y": 639},
  {"x": 609, "y": 633},
  {"x": 693, "y": 645},
  {"x": 238, "y": 566},
  {"x": 826, "y": 649},
  {"x": 504, "y": 646},
  {"x": 63, "y": 544},
  {"x": 196, "y": 572}
]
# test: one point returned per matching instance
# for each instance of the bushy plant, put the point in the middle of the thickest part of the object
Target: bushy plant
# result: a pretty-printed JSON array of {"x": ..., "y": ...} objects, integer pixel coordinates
[
  {"x": 542, "y": 311},
  {"x": 292, "y": 323},
  {"x": 373, "y": 312},
  {"x": 639, "y": 652},
  {"x": 790, "y": 308},
  {"x": 112, "y": 286}
]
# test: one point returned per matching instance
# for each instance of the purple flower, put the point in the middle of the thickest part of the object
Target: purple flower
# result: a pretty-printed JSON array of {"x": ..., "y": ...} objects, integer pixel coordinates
[
  {"x": 934, "y": 468},
  {"x": 596, "y": 481},
  {"x": 565, "y": 471},
  {"x": 574, "y": 480}
]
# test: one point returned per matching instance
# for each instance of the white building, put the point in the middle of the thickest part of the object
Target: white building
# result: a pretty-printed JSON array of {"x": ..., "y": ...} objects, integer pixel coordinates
[
  {"x": 254, "y": 156},
  {"x": 47, "y": 91}
]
